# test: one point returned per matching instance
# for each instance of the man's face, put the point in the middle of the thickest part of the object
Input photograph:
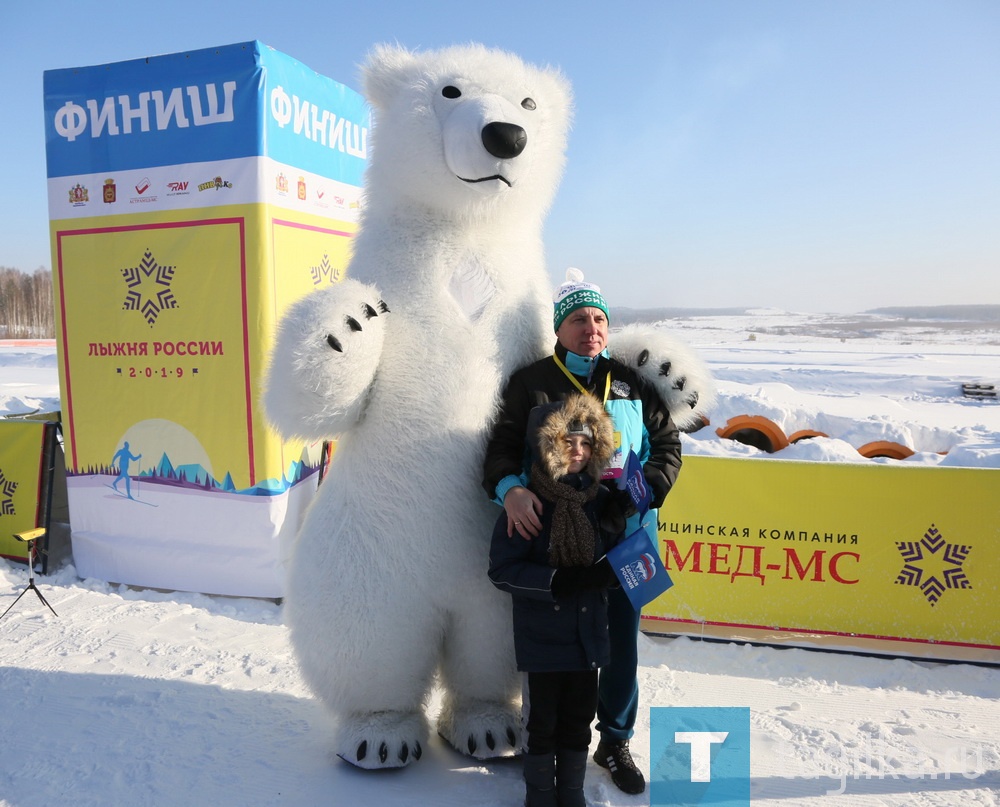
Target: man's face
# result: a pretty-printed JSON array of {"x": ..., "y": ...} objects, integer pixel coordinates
[{"x": 584, "y": 332}]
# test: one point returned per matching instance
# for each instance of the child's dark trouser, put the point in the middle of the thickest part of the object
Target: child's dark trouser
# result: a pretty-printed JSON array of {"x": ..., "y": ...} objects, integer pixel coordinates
[{"x": 560, "y": 707}]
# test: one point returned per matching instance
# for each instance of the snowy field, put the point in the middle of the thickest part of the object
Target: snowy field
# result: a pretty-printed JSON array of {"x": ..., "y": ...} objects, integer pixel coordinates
[{"x": 136, "y": 697}]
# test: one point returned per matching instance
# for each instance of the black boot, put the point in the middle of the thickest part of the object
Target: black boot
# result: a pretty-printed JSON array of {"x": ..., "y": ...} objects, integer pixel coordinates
[
  {"x": 540, "y": 780},
  {"x": 571, "y": 768},
  {"x": 615, "y": 756}
]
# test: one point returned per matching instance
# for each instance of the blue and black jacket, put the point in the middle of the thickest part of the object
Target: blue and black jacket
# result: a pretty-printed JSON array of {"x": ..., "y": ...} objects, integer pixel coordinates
[{"x": 640, "y": 418}]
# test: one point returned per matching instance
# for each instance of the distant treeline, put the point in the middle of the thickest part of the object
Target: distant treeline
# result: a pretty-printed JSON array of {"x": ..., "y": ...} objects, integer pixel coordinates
[
  {"x": 960, "y": 313},
  {"x": 26, "y": 304}
]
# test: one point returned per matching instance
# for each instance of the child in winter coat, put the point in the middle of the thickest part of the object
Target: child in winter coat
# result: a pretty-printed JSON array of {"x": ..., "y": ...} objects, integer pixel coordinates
[{"x": 558, "y": 582}]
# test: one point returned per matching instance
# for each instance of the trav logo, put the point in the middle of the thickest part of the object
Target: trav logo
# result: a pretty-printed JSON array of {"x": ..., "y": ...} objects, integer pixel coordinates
[
  {"x": 7, "y": 488},
  {"x": 78, "y": 195},
  {"x": 216, "y": 183},
  {"x": 110, "y": 192},
  {"x": 933, "y": 565},
  {"x": 177, "y": 189},
  {"x": 699, "y": 756}
]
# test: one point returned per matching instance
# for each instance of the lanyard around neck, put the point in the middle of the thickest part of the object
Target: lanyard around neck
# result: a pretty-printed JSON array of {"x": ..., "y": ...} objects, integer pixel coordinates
[{"x": 578, "y": 385}]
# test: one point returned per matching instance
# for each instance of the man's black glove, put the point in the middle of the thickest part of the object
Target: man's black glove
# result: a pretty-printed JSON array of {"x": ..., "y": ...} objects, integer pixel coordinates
[
  {"x": 624, "y": 501},
  {"x": 611, "y": 519},
  {"x": 570, "y": 580}
]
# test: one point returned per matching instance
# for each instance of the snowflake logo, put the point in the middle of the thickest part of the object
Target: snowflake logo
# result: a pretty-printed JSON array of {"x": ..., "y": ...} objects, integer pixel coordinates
[
  {"x": 7, "y": 488},
  {"x": 149, "y": 289},
  {"x": 324, "y": 271},
  {"x": 933, "y": 565}
]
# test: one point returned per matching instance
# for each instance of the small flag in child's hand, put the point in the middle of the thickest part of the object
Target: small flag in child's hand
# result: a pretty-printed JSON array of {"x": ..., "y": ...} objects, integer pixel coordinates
[
  {"x": 639, "y": 568},
  {"x": 634, "y": 481}
]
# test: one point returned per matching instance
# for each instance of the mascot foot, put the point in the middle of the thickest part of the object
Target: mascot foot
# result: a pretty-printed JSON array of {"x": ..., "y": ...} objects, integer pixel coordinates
[
  {"x": 482, "y": 729},
  {"x": 382, "y": 740}
]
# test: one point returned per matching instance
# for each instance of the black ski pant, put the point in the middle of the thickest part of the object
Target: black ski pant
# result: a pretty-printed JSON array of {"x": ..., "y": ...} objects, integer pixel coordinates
[{"x": 560, "y": 707}]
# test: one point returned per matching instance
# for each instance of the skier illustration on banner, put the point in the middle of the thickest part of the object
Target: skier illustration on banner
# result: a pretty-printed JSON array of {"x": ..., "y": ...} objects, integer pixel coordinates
[{"x": 123, "y": 457}]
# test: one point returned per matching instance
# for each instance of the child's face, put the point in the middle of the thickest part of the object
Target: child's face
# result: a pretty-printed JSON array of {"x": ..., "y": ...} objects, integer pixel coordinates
[{"x": 578, "y": 452}]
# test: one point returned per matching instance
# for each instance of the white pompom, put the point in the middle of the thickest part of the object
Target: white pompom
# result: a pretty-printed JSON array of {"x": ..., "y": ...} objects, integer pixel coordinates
[{"x": 574, "y": 275}]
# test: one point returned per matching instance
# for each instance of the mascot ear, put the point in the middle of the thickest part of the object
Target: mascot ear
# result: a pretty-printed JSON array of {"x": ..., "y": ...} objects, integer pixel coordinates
[{"x": 387, "y": 69}]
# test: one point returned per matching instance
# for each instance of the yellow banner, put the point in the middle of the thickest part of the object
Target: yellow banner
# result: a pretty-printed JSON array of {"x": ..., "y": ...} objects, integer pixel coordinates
[
  {"x": 165, "y": 324},
  {"x": 22, "y": 464},
  {"x": 833, "y": 554}
]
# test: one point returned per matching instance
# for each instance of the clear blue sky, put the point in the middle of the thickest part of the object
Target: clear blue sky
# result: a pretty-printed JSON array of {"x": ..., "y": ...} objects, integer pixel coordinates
[{"x": 814, "y": 155}]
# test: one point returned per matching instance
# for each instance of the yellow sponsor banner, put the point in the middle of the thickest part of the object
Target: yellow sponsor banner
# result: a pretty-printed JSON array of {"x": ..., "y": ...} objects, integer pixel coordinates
[
  {"x": 164, "y": 326},
  {"x": 22, "y": 452},
  {"x": 889, "y": 558},
  {"x": 156, "y": 340},
  {"x": 165, "y": 322}
]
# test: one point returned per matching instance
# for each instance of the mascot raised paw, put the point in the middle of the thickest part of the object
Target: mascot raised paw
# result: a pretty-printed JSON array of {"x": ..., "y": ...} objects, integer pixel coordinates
[
  {"x": 677, "y": 372},
  {"x": 387, "y": 593}
]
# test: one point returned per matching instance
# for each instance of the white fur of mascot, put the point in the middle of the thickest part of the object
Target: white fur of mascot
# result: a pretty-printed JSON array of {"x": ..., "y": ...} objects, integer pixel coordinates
[{"x": 446, "y": 296}]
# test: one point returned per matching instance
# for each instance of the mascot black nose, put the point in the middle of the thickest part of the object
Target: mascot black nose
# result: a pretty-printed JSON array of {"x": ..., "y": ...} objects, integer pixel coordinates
[{"x": 504, "y": 140}]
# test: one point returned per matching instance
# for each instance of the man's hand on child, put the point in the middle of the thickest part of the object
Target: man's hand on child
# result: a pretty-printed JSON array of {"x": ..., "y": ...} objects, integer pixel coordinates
[{"x": 523, "y": 510}]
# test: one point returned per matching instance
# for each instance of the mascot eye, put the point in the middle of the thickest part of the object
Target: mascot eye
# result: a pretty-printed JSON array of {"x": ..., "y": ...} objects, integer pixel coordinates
[
  {"x": 451, "y": 92},
  {"x": 528, "y": 103}
]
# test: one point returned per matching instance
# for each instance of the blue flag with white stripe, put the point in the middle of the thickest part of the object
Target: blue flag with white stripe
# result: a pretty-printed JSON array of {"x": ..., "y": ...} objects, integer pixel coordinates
[
  {"x": 639, "y": 568},
  {"x": 634, "y": 481}
]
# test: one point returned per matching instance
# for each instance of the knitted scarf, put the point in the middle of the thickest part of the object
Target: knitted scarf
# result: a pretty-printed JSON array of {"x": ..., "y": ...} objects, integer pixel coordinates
[{"x": 571, "y": 534}]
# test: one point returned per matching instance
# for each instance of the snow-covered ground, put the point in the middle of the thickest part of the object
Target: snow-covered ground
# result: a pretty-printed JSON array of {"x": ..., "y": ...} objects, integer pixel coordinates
[{"x": 139, "y": 697}]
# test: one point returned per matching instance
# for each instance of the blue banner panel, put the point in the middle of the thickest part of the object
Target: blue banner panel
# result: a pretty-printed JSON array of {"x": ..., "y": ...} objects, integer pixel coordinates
[
  {"x": 198, "y": 106},
  {"x": 313, "y": 122},
  {"x": 203, "y": 106}
]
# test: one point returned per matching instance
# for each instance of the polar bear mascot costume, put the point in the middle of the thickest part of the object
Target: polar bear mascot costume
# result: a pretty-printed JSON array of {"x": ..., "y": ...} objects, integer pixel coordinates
[{"x": 404, "y": 362}]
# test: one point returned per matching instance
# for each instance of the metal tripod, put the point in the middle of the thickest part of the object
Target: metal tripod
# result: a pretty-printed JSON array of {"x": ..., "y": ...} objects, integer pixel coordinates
[{"x": 29, "y": 538}]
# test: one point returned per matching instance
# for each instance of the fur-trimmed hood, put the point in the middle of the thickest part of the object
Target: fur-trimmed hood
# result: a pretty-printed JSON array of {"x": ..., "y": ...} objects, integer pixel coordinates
[{"x": 552, "y": 432}]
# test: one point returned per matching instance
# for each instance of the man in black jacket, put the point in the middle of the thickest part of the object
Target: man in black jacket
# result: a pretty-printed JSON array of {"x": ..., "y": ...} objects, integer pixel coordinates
[{"x": 580, "y": 363}]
